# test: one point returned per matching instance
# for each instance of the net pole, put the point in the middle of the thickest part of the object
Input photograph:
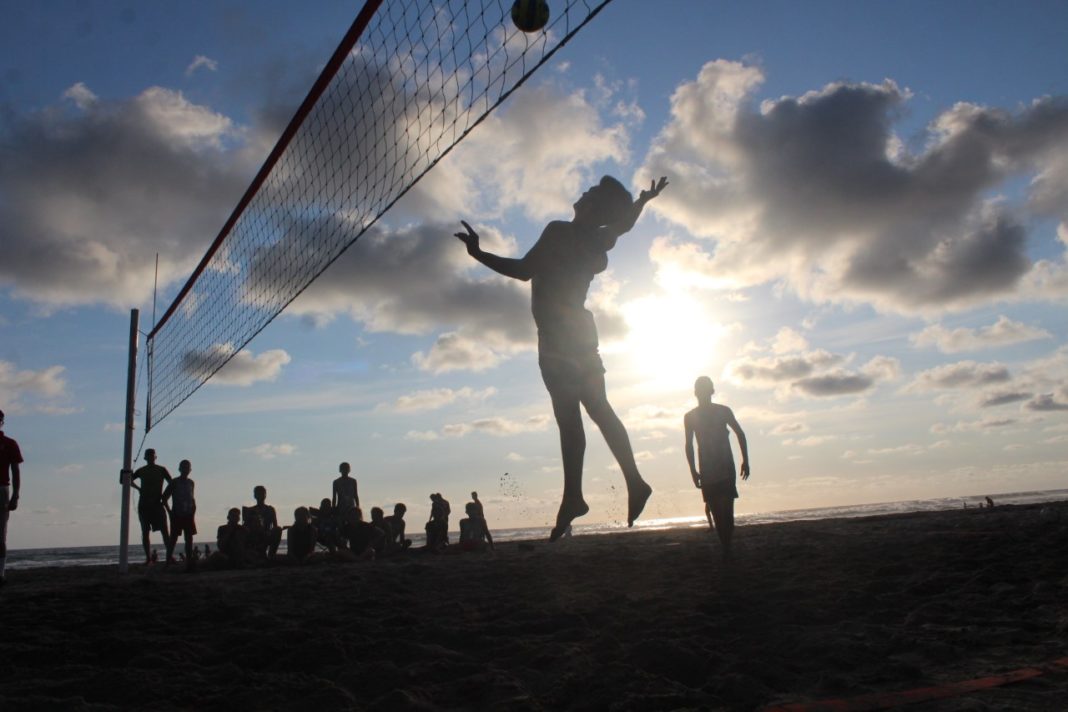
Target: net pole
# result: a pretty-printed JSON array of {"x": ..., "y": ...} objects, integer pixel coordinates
[{"x": 127, "y": 446}]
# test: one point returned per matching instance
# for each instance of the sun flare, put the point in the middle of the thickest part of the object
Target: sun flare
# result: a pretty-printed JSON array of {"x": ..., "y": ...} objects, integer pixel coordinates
[{"x": 671, "y": 339}]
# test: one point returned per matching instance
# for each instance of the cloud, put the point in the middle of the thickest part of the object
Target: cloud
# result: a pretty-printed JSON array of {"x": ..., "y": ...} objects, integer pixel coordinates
[
  {"x": 242, "y": 369},
  {"x": 996, "y": 398},
  {"x": 269, "y": 451},
  {"x": 815, "y": 373},
  {"x": 201, "y": 62},
  {"x": 435, "y": 398},
  {"x": 818, "y": 193},
  {"x": 1049, "y": 402},
  {"x": 42, "y": 388},
  {"x": 499, "y": 427},
  {"x": 967, "y": 426},
  {"x": 789, "y": 429},
  {"x": 93, "y": 193},
  {"x": 1003, "y": 332},
  {"x": 810, "y": 441},
  {"x": 963, "y": 374}
]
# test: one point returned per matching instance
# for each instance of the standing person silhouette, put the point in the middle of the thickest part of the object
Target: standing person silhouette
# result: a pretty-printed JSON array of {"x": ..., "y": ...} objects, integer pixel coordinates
[
  {"x": 345, "y": 495},
  {"x": 708, "y": 423},
  {"x": 150, "y": 503},
  {"x": 10, "y": 482},
  {"x": 560, "y": 268}
]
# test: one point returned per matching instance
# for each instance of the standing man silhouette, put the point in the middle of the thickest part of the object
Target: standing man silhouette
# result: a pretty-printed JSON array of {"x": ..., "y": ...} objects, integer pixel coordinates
[
  {"x": 10, "y": 483},
  {"x": 150, "y": 503},
  {"x": 560, "y": 268},
  {"x": 345, "y": 495},
  {"x": 708, "y": 423}
]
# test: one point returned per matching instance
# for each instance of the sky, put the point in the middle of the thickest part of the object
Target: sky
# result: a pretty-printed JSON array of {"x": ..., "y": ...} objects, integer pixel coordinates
[{"x": 864, "y": 243}]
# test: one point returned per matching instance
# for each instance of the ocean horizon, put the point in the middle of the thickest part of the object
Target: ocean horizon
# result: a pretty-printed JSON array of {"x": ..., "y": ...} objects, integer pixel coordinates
[{"x": 108, "y": 554}]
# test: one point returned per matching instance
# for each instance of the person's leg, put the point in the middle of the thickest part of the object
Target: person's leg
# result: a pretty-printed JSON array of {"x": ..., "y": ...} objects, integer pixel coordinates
[
  {"x": 145, "y": 528},
  {"x": 4, "y": 513},
  {"x": 600, "y": 410},
  {"x": 723, "y": 514},
  {"x": 168, "y": 542},
  {"x": 708, "y": 516},
  {"x": 573, "y": 451}
]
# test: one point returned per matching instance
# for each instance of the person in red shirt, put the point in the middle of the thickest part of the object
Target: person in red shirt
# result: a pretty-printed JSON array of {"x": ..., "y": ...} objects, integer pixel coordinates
[{"x": 10, "y": 481}]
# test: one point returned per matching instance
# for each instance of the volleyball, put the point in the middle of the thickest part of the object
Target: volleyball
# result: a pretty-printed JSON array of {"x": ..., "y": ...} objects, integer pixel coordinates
[{"x": 530, "y": 15}]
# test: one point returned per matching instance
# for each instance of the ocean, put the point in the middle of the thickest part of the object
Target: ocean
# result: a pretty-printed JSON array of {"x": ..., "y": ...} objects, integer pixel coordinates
[{"x": 109, "y": 554}]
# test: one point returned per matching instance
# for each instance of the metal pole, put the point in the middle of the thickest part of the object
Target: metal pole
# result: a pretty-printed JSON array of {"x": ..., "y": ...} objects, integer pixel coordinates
[{"x": 127, "y": 447}]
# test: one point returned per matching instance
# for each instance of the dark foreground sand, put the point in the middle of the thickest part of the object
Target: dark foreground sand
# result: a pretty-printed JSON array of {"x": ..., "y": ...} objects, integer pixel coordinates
[{"x": 808, "y": 611}]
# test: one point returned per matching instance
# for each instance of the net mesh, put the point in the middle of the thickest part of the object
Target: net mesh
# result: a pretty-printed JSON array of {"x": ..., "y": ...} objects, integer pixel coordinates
[{"x": 385, "y": 110}]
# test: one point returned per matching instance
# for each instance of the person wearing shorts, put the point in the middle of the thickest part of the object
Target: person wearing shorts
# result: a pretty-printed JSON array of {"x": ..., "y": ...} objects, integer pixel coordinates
[
  {"x": 560, "y": 267},
  {"x": 10, "y": 483},
  {"x": 713, "y": 472},
  {"x": 150, "y": 503},
  {"x": 181, "y": 493}
]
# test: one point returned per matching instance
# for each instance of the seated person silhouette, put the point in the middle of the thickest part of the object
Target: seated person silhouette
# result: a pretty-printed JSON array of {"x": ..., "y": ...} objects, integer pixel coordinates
[
  {"x": 363, "y": 538},
  {"x": 266, "y": 534},
  {"x": 301, "y": 536},
  {"x": 327, "y": 525},
  {"x": 708, "y": 423},
  {"x": 474, "y": 534},
  {"x": 385, "y": 542},
  {"x": 396, "y": 527},
  {"x": 437, "y": 528},
  {"x": 560, "y": 268},
  {"x": 482, "y": 515},
  {"x": 231, "y": 542}
]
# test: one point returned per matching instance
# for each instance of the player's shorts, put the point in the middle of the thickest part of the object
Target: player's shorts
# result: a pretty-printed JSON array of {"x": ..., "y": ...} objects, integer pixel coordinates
[
  {"x": 152, "y": 515},
  {"x": 718, "y": 489},
  {"x": 183, "y": 523},
  {"x": 573, "y": 372}
]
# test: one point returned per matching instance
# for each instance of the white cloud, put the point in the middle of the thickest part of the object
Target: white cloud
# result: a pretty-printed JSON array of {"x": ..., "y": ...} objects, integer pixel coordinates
[
  {"x": 269, "y": 451},
  {"x": 22, "y": 390},
  {"x": 815, "y": 373},
  {"x": 81, "y": 95},
  {"x": 499, "y": 426},
  {"x": 1003, "y": 332},
  {"x": 963, "y": 374},
  {"x": 818, "y": 193},
  {"x": 201, "y": 62},
  {"x": 435, "y": 398}
]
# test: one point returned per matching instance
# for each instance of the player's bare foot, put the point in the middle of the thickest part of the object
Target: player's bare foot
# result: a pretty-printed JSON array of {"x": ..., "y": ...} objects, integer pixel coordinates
[
  {"x": 637, "y": 495},
  {"x": 569, "y": 510}
]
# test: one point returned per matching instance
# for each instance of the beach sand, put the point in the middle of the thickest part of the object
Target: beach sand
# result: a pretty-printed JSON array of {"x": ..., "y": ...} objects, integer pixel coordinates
[{"x": 645, "y": 620}]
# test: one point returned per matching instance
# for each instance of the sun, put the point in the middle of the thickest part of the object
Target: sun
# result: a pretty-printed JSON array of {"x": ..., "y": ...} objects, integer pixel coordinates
[{"x": 671, "y": 339}]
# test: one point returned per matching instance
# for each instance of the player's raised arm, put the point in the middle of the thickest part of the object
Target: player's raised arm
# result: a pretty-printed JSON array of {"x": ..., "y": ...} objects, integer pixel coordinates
[
  {"x": 507, "y": 266},
  {"x": 610, "y": 233}
]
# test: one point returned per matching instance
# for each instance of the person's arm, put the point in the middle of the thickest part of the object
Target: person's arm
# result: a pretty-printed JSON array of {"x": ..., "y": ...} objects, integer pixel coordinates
[
  {"x": 609, "y": 234},
  {"x": 689, "y": 451},
  {"x": 16, "y": 483},
  {"x": 743, "y": 471},
  {"x": 507, "y": 266},
  {"x": 166, "y": 495},
  {"x": 333, "y": 497}
]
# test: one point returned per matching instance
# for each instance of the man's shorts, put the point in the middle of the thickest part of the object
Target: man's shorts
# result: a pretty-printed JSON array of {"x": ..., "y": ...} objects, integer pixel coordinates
[
  {"x": 570, "y": 373},
  {"x": 152, "y": 515},
  {"x": 718, "y": 489},
  {"x": 183, "y": 523}
]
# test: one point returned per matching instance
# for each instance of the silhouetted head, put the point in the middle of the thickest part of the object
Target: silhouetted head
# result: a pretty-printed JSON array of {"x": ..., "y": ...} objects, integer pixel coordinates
[
  {"x": 233, "y": 516},
  {"x": 472, "y": 509},
  {"x": 301, "y": 515},
  {"x": 325, "y": 505},
  {"x": 703, "y": 388},
  {"x": 474, "y": 496},
  {"x": 185, "y": 467},
  {"x": 259, "y": 493},
  {"x": 150, "y": 456},
  {"x": 377, "y": 514},
  {"x": 1, "y": 418},
  {"x": 344, "y": 468},
  {"x": 399, "y": 509},
  {"x": 604, "y": 203}
]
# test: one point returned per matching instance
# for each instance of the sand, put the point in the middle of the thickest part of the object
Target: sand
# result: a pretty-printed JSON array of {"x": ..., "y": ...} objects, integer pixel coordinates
[{"x": 647, "y": 620}]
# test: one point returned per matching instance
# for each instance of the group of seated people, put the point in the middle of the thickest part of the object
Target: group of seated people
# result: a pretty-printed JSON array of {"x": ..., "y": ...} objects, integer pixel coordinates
[{"x": 252, "y": 535}]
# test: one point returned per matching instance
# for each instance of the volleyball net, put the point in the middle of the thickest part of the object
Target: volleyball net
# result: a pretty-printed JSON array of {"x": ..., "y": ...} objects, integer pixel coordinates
[{"x": 410, "y": 79}]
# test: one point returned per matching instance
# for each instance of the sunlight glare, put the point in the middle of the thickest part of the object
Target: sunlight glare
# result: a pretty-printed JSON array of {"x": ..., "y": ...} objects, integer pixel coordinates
[{"x": 671, "y": 339}]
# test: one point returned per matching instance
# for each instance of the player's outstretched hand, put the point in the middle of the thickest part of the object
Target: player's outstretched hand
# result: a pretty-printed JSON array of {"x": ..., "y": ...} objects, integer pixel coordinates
[
  {"x": 745, "y": 471},
  {"x": 654, "y": 189},
  {"x": 469, "y": 238}
]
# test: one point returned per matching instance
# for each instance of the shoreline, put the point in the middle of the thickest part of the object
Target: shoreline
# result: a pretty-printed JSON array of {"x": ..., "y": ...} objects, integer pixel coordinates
[{"x": 807, "y": 610}]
